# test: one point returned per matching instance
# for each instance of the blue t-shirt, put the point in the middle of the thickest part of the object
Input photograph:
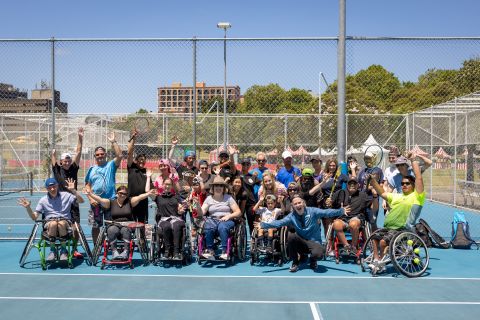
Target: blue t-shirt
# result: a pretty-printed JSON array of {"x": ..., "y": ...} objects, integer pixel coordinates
[
  {"x": 102, "y": 179},
  {"x": 362, "y": 181},
  {"x": 58, "y": 207},
  {"x": 260, "y": 177},
  {"x": 286, "y": 176}
]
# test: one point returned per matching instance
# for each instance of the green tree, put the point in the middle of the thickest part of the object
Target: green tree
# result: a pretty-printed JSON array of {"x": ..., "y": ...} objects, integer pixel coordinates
[{"x": 263, "y": 99}]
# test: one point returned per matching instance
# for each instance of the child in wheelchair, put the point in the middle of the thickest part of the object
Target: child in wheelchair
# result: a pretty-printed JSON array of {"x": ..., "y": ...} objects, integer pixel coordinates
[{"x": 267, "y": 214}]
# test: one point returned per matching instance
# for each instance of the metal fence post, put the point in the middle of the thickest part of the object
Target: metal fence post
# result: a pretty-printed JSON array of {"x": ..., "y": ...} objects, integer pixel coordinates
[
  {"x": 455, "y": 156},
  {"x": 194, "y": 98},
  {"x": 53, "y": 93}
]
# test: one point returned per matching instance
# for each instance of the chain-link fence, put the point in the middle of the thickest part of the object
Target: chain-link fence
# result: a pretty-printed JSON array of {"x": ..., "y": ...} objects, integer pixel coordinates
[{"x": 281, "y": 93}]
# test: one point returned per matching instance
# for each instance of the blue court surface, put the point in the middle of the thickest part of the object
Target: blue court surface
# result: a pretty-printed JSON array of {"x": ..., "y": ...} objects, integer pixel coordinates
[{"x": 449, "y": 289}]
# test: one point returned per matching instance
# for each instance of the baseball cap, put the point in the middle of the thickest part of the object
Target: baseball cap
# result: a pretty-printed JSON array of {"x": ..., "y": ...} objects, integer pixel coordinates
[
  {"x": 286, "y": 154},
  {"x": 352, "y": 179},
  {"x": 307, "y": 172},
  {"x": 189, "y": 153},
  {"x": 315, "y": 158},
  {"x": 401, "y": 160},
  {"x": 50, "y": 182},
  {"x": 65, "y": 155},
  {"x": 369, "y": 154}
]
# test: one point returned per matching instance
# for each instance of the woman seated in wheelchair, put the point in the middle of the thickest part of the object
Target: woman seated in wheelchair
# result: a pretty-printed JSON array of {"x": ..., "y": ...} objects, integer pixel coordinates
[
  {"x": 170, "y": 220},
  {"x": 358, "y": 201},
  {"x": 119, "y": 211},
  {"x": 220, "y": 210},
  {"x": 404, "y": 210},
  {"x": 266, "y": 214},
  {"x": 55, "y": 209}
]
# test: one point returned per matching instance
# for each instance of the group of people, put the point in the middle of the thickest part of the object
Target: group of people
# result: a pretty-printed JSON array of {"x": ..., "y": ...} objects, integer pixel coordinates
[{"x": 215, "y": 195}]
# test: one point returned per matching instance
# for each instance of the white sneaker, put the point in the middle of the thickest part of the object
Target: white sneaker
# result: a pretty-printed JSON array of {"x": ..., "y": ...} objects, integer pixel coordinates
[
  {"x": 223, "y": 256},
  {"x": 331, "y": 253},
  {"x": 373, "y": 265},
  {"x": 51, "y": 256},
  {"x": 208, "y": 255},
  {"x": 115, "y": 255}
]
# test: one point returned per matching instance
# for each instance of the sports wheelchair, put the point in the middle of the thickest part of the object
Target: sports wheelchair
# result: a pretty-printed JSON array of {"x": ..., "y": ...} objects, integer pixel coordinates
[
  {"x": 278, "y": 254},
  {"x": 236, "y": 243},
  {"x": 138, "y": 239},
  {"x": 42, "y": 243},
  {"x": 334, "y": 244},
  {"x": 158, "y": 254},
  {"x": 406, "y": 251}
]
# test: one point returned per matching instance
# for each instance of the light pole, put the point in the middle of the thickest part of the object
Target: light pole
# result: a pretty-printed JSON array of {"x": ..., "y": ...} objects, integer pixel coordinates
[{"x": 224, "y": 26}]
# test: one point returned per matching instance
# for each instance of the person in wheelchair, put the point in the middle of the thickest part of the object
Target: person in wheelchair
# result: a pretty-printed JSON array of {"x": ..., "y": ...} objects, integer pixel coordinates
[
  {"x": 405, "y": 209},
  {"x": 55, "y": 209},
  {"x": 220, "y": 210},
  {"x": 358, "y": 201},
  {"x": 266, "y": 213},
  {"x": 307, "y": 237},
  {"x": 119, "y": 210},
  {"x": 170, "y": 218}
]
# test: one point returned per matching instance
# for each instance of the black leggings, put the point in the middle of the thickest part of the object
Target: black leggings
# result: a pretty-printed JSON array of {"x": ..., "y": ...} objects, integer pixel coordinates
[
  {"x": 171, "y": 231},
  {"x": 297, "y": 245}
]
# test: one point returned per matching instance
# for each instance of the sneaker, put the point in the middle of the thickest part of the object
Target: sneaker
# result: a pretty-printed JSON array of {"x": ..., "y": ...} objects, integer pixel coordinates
[
  {"x": 77, "y": 255},
  {"x": 124, "y": 255},
  {"x": 178, "y": 256},
  {"x": 313, "y": 264},
  {"x": 373, "y": 265},
  {"x": 223, "y": 256},
  {"x": 63, "y": 255},
  {"x": 115, "y": 255},
  {"x": 207, "y": 254},
  {"x": 51, "y": 256},
  {"x": 294, "y": 268},
  {"x": 331, "y": 253}
]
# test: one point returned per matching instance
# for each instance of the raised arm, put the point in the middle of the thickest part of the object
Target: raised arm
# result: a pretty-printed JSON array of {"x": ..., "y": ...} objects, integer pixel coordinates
[
  {"x": 78, "y": 154},
  {"x": 102, "y": 201},
  {"x": 116, "y": 148},
  {"x": 71, "y": 187},
  {"x": 26, "y": 204},
  {"x": 428, "y": 162},
  {"x": 419, "y": 187},
  {"x": 172, "y": 150},
  {"x": 378, "y": 188},
  {"x": 53, "y": 157},
  {"x": 130, "y": 147},
  {"x": 136, "y": 200}
]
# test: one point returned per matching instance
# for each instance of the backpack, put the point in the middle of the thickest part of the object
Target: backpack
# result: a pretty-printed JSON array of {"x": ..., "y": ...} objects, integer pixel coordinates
[
  {"x": 461, "y": 238},
  {"x": 430, "y": 237}
]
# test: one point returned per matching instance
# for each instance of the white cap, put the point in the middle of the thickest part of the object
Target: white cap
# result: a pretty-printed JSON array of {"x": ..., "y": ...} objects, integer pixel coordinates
[
  {"x": 369, "y": 154},
  {"x": 65, "y": 155},
  {"x": 286, "y": 154}
]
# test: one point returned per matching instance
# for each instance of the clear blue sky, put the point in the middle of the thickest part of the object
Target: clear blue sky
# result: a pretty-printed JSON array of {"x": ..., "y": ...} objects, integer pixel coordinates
[{"x": 124, "y": 78}]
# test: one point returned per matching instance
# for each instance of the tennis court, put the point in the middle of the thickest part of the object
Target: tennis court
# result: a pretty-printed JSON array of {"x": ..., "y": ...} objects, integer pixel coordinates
[{"x": 241, "y": 291}]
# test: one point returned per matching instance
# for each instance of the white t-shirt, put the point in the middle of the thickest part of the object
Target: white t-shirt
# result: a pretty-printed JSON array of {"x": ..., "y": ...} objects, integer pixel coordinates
[{"x": 266, "y": 215}]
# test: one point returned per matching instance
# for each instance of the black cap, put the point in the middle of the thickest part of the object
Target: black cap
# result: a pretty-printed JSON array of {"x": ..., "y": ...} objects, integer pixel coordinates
[{"x": 352, "y": 179}]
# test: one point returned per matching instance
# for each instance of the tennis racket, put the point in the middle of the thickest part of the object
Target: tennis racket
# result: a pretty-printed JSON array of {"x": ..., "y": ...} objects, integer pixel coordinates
[
  {"x": 335, "y": 178},
  {"x": 139, "y": 125},
  {"x": 372, "y": 157}
]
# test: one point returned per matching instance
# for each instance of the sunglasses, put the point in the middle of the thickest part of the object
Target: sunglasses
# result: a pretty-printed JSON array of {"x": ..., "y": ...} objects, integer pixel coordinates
[
  {"x": 262, "y": 161},
  {"x": 292, "y": 189},
  {"x": 246, "y": 164},
  {"x": 99, "y": 154},
  {"x": 406, "y": 183},
  {"x": 122, "y": 193}
]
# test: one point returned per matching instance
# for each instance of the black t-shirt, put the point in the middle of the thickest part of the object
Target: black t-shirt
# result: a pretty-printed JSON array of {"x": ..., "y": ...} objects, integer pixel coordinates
[
  {"x": 137, "y": 178},
  {"x": 182, "y": 168},
  {"x": 167, "y": 205},
  {"x": 249, "y": 182},
  {"x": 61, "y": 175},
  {"x": 123, "y": 213},
  {"x": 358, "y": 202}
]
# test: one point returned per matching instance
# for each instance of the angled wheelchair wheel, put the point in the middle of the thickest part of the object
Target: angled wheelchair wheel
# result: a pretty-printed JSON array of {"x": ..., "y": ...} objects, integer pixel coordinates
[
  {"x": 366, "y": 256},
  {"x": 84, "y": 243},
  {"x": 98, "y": 245},
  {"x": 409, "y": 254},
  {"x": 29, "y": 244},
  {"x": 142, "y": 245},
  {"x": 153, "y": 246},
  {"x": 253, "y": 247}
]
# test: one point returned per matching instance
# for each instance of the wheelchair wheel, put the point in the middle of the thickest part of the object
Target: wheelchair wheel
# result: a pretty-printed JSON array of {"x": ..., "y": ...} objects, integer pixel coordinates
[
  {"x": 98, "y": 245},
  {"x": 409, "y": 254},
  {"x": 253, "y": 247},
  {"x": 84, "y": 242},
  {"x": 241, "y": 242},
  {"x": 329, "y": 241},
  {"x": 283, "y": 243},
  {"x": 142, "y": 244},
  {"x": 29, "y": 244},
  {"x": 153, "y": 246}
]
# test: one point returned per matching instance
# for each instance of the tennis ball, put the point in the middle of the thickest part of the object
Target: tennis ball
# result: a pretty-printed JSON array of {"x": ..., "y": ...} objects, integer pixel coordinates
[
  {"x": 416, "y": 261},
  {"x": 416, "y": 250},
  {"x": 410, "y": 242},
  {"x": 9, "y": 228}
]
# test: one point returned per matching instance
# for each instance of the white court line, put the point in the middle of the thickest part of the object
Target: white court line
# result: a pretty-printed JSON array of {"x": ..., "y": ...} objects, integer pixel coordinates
[
  {"x": 245, "y": 301},
  {"x": 317, "y": 315},
  {"x": 220, "y": 276}
]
